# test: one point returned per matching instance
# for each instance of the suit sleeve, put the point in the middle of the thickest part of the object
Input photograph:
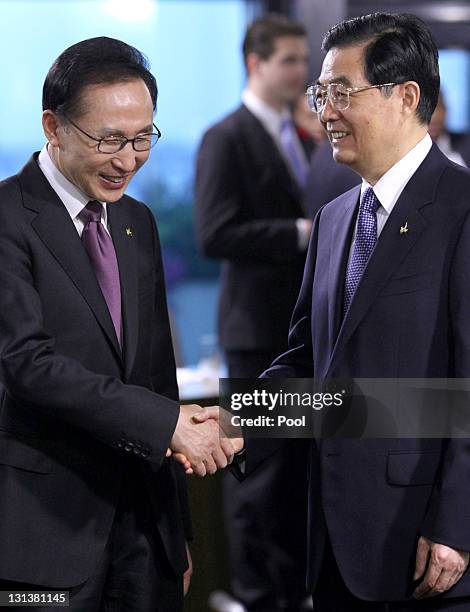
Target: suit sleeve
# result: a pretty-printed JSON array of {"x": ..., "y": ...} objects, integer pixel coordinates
[
  {"x": 57, "y": 386},
  {"x": 226, "y": 227},
  {"x": 447, "y": 519},
  {"x": 296, "y": 362}
]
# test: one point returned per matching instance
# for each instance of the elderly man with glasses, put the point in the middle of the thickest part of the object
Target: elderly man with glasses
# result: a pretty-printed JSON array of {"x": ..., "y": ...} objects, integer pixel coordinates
[
  {"x": 90, "y": 502},
  {"x": 385, "y": 295}
]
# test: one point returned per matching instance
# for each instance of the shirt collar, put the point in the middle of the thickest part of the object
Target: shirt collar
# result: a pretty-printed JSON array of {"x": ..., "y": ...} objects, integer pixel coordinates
[
  {"x": 270, "y": 118},
  {"x": 390, "y": 186},
  {"x": 72, "y": 198}
]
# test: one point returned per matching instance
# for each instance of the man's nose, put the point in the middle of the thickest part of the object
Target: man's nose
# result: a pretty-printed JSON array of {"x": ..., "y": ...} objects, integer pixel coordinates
[
  {"x": 126, "y": 158},
  {"x": 328, "y": 112}
]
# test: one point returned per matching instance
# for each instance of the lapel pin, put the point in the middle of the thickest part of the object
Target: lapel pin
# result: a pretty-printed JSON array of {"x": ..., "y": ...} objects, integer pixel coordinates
[
  {"x": 128, "y": 231},
  {"x": 404, "y": 228}
]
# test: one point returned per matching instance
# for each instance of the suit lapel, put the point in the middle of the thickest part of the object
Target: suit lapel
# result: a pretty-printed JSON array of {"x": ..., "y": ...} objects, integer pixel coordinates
[
  {"x": 273, "y": 160},
  {"x": 340, "y": 242},
  {"x": 124, "y": 239},
  {"x": 57, "y": 231},
  {"x": 393, "y": 245}
]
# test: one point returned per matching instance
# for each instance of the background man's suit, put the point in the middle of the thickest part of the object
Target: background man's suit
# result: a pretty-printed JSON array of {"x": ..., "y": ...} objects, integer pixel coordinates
[
  {"x": 247, "y": 203},
  {"x": 80, "y": 415},
  {"x": 247, "y": 206},
  {"x": 326, "y": 179},
  {"x": 408, "y": 318}
]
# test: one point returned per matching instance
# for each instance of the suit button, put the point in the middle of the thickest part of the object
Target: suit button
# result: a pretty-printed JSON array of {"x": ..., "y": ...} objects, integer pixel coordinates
[
  {"x": 129, "y": 446},
  {"x": 144, "y": 454},
  {"x": 137, "y": 450},
  {"x": 121, "y": 443}
]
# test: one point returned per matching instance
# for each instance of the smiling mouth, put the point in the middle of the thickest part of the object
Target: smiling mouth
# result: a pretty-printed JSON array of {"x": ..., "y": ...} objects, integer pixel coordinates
[
  {"x": 114, "y": 179},
  {"x": 337, "y": 136}
]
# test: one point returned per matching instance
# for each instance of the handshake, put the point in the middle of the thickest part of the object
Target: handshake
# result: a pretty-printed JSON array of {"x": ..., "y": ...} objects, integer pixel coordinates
[{"x": 204, "y": 439}]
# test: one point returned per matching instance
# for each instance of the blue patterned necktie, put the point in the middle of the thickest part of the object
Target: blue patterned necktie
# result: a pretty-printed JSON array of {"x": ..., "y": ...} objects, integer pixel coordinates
[
  {"x": 366, "y": 237},
  {"x": 297, "y": 163}
]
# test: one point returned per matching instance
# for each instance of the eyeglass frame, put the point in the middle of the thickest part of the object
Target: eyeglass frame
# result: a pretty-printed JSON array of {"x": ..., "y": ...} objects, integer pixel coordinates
[
  {"x": 123, "y": 139},
  {"x": 349, "y": 91}
]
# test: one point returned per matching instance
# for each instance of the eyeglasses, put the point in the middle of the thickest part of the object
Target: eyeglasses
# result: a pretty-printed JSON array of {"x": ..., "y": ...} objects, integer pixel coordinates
[
  {"x": 337, "y": 93},
  {"x": 114, "y": 144}
]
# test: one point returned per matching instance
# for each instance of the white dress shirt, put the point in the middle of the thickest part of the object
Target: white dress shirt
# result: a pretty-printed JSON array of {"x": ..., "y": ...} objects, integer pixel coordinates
[
  {"x": 71, "y": 197},
  {"x": 271, "y": 120}
]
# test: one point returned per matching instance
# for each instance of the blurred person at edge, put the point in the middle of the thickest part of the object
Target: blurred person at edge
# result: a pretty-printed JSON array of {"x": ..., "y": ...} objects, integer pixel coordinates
[
  {"x": 90, "y": 503},
  {"x": 250, "y": 179},
  {"x": 307, "y": 121},
  {"x": 454, "y": 145}
]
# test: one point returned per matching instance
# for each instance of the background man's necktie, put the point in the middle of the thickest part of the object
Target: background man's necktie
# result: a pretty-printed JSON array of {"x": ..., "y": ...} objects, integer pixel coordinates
[
  {"x": 366, "y": 237},
  {"x": 100, "y": 249},
  {"x": 297, "y": 162}
]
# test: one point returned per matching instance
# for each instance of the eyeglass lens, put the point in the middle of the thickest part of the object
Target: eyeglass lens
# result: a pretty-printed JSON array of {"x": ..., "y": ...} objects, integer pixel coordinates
[
  {"x": 318, "y": 95},
  {"x": 113, "y": 145}
]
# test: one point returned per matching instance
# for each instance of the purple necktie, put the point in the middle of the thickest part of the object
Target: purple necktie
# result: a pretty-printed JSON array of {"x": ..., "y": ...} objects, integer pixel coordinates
[
  {"x": 366, "y": 237},
  {"x": 100, "y": 249},
  {"x": 298, "y": 164}
]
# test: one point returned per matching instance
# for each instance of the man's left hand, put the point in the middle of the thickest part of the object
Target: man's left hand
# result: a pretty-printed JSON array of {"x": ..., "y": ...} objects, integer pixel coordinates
[{"x": 441, "y": 566}]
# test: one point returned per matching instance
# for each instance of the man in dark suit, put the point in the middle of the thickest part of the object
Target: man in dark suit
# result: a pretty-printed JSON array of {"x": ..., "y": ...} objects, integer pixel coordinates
[
  {"x": 88, "y": 501},
  {"x": 251, "y": 172},
  {"x": 385, "y": 295}
]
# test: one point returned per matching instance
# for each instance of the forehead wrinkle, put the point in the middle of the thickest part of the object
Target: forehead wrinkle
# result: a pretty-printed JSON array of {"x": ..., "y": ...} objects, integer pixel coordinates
[{"x": 344, "y": 80}]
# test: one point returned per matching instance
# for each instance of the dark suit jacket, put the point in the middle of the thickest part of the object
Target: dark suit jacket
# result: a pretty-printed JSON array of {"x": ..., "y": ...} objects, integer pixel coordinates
[
  {"x": 408, "y": 319},
  {"x": 246, "y": 207},
  {"x": 77, "y": 412},
  {"x": 326, "y": 179}
]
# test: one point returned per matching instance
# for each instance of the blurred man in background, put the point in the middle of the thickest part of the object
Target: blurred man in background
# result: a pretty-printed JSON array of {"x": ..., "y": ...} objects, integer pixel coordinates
[{"x": 251, "y": 173}]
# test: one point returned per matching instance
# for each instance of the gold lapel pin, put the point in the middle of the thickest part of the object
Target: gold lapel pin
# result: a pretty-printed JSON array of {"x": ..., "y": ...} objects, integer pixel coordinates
[
  {"x": 128, "y": 231},
  {"x": 404, "y": 228}
]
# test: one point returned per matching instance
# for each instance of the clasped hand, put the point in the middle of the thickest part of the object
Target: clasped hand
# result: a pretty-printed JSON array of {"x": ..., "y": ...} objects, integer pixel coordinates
[
  {"x": 439, "y": 566},
  {"x": 204, "y": 439}
]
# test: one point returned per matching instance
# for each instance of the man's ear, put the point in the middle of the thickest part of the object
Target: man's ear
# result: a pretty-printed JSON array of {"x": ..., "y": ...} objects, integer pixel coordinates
[
  {"x": 252, "y": 63},
  {"x": 50, "y": 125},
  {"x": 411, "y": 95}
]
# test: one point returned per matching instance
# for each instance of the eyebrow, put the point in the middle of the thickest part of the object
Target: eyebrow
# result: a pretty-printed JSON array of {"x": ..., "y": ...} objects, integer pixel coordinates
[
  {"x": 110, "y": 132},
  {"x": 339, "y": 79}
]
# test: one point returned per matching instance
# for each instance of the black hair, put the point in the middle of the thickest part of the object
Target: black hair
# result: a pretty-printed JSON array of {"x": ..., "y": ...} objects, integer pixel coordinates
[
  {"x": 94, "y": 61},
  {"x": 401, "y": 48},
  {"x": 262, "y": 34}
]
